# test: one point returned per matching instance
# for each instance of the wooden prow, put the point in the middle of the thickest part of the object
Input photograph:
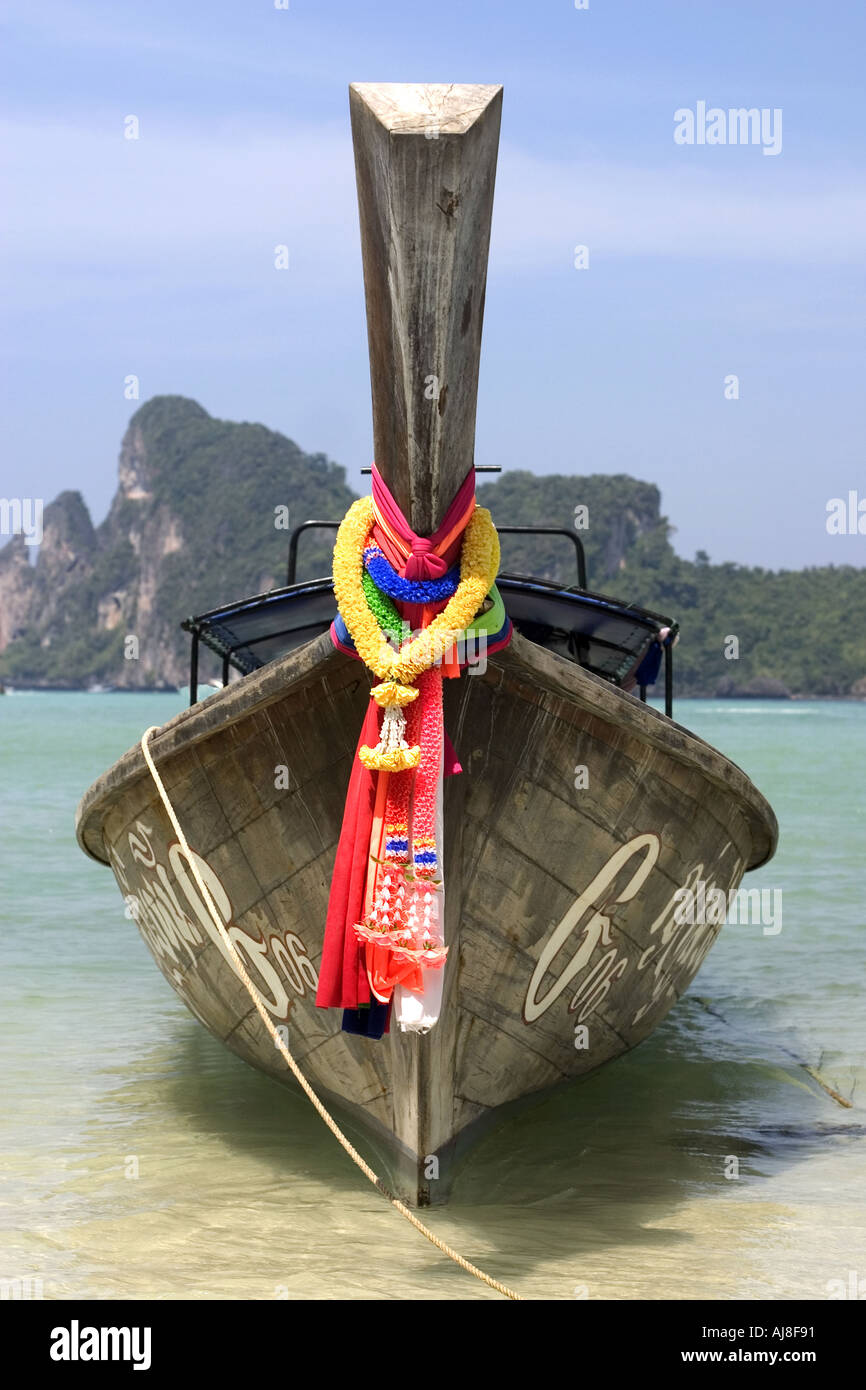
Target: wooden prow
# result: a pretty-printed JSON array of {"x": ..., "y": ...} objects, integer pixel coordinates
[{"x": 425, "y": 160}]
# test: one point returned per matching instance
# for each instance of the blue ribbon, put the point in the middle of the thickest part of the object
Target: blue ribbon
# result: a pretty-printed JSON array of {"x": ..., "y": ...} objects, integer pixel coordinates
[{"x": 386, "y": 578}]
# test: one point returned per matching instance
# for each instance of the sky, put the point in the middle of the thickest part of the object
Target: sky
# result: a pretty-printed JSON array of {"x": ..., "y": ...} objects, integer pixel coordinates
[{"x": 154, "y": 257}]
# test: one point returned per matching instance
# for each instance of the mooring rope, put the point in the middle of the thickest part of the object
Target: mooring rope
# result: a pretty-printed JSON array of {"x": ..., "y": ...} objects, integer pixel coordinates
[
  {"x": 807, "y": 1067},
  {"x": 289, "y": 1059}
]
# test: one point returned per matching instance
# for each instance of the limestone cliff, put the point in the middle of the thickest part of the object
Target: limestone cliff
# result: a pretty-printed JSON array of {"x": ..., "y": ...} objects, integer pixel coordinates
[
  {"x": 198, "y": 519},
  {"x": 201, "y": 515}
]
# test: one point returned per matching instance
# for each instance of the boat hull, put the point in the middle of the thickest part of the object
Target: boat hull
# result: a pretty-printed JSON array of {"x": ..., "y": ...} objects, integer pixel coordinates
[{"x": 579, "y": 816}]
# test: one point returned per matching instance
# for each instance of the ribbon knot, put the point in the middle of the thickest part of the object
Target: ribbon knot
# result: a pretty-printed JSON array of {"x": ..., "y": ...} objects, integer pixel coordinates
[{"x": 422, "y": 561}]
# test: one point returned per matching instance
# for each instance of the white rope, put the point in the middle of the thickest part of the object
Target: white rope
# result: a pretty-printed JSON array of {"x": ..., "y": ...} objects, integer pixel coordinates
[{"x": 289, "y": 1059}]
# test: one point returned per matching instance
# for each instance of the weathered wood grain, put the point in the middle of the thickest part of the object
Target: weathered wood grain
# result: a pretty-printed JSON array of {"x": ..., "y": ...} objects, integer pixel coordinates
[
  {"x": 522, "y": 845},
  {"x": 563, "y": 951},
  {"x": 425, "y": 159}
]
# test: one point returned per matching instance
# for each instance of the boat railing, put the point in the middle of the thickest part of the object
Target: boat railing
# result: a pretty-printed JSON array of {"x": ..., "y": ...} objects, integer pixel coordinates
[
  {"x": 580, "y": 553},
  {"x": 292, "y": 565},
  {"x": 206, "y": 627}
]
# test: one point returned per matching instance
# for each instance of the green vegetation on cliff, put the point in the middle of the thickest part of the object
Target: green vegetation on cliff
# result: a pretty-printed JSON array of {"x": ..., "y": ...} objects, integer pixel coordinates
[
  {"x": 199, "y": 520},
  {"x": 804, "y": 629}
]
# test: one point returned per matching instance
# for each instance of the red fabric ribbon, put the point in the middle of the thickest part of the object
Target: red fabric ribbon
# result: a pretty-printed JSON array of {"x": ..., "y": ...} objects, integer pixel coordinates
[
  {"x": 421, "y": 557},
  {"x": 343, "y": 981},
  {"x": 423, "y": 562},
  {"x": 342, "y": 974}
]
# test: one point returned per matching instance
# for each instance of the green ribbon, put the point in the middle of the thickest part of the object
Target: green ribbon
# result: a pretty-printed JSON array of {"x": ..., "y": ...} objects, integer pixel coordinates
[
  {"x": 389, "y": 620},
  {"x": 382, "y": 608}
]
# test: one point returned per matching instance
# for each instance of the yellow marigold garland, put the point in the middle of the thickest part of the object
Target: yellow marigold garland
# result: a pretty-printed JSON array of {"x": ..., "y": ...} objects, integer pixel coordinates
[{"x": 479, "y": 565}]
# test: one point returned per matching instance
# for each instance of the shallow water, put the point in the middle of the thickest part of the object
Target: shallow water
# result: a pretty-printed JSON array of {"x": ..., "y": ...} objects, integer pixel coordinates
[{"x": 614, "y": 1187}]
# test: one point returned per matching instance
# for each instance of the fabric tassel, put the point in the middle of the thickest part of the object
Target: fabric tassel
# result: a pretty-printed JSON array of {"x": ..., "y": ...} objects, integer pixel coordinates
[{"x": 384, "y": 939}]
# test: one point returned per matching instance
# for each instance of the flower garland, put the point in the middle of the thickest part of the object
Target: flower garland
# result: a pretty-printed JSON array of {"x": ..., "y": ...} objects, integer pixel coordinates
[
  {"x": 479, "y": 565},
  {"x": 400, "y": 919},
  {"x": 382, "y": 608},
  {"x": 403, "y": 930},
  {"x": 396, "y": 586}
]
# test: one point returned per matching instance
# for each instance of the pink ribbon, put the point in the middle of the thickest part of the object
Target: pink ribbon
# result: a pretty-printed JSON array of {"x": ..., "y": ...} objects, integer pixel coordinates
[
  {"x": 419, "y": 553},
  {"x": 421, "y": 557},
  {"x": 424, "y": 563}
]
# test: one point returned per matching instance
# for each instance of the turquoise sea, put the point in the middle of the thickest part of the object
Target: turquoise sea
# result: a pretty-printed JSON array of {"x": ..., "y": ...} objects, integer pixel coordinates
[{"x": 140, "y": 1159}]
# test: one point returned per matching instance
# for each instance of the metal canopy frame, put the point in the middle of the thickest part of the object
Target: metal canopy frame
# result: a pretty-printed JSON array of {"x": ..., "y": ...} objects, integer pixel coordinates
[
  {"x": 580, "y": 553},
  {"x": 197, "y": 627}
]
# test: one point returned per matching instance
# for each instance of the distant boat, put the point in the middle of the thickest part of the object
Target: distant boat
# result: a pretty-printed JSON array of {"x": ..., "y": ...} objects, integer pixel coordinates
[
  {"x": 580, "y": 817},
  {"x": 98, "y": 689}
]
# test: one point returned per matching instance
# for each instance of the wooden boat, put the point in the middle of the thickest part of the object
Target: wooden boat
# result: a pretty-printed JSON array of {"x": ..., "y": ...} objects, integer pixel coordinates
[{"x": 581, "y": 812}]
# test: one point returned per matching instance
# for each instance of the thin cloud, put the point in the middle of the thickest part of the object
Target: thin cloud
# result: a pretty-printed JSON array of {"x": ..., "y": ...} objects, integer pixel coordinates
[
  {"x": 711, "y": 211},
  {"x": 206, "y": 205}
]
